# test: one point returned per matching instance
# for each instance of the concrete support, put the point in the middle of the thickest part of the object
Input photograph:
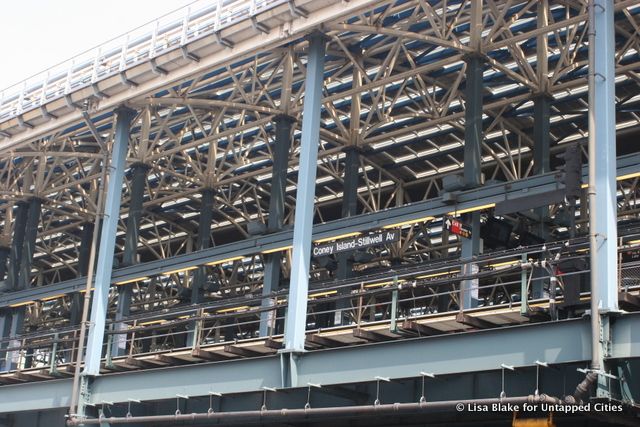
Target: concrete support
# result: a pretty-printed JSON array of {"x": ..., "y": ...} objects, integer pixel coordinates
[
  {"x": 29, "y": 244},
  {"x": 107, "y": 242},
  {"x": 130, "y": 256},
  {"x": 472, "y": 173},
  {"x": 272, "y": 272},
  {"x": 605, "y": 167},
  {"x": 15, "y": 255},
  {"x": 296, "y": 318}
]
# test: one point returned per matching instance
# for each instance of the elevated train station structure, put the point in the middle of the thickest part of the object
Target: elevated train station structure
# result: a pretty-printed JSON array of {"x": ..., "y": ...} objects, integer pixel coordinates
[{"x": 303, "y": 212}]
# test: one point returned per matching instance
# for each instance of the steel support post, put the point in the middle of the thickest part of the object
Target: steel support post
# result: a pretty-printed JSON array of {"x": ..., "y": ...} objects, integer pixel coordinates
[
  {"x": 349, "y": 203},
  {"x": 77, "y": 299},
  {"x": 602, "y": 180},
  {"x": 85, "y": 248},
  {"x": 29, "y": 244},
  {"x": 5, "y": 327},
  {"x": 15, "y": 255},
  {"x": 130, "y": 255},
  {"x": 605, "y": 167},
  {"x": 4, "y": 256},
  {"x": 349, "y": 208},
  {"x": 296, "y": 318},
  {"x": 541, "y": 159},
  {"x": 472, "y": 173},
  {"x": 272, "y": 272},
  {"x": 107, "y": 242},
  {"x": 541, "y": 133},
  {"x": 203, "y": 241},
  {"x": 17, "y": 323}
]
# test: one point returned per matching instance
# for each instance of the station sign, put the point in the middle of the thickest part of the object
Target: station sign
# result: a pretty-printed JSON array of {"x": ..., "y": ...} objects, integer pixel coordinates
[
  {"x": 458, "y": 228},
  {"x": 378, "y": 238}
]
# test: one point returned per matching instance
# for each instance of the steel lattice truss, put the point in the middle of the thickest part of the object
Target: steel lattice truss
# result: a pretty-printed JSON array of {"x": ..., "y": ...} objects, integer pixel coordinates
[{"x": 394, "y": 88}]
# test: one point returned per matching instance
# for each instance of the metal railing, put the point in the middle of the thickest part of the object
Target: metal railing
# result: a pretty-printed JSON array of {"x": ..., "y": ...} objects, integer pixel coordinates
[{"x": 170, "y": 31}]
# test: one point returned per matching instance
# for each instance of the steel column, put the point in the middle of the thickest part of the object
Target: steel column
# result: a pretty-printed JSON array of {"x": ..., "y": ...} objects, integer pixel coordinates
[
  {"x": 605, "y": 167},
  {"x": 203, "y": 241},
  {"x": 17, "y": 323},
  {"x": 541, "y": 165},
  {"x": 272, "y": 273},
  {"x": 5, "y": 327},
  {"x": 349, "y": 203},
  {"x": 541, "y": 131},
  {"x": 16, "y": 245},
  {"x": 4, "y": 256},
  {"x": 472, "y": 173},
  {"x": 130, "y": 255},
  {"x": 85, "y": 248},
  {"x": 349, "y": 208},
  {"x": 107, "y": 241},
  {"x": 29, "y": 244},
  {"x": 296, "y": 318},
  {"x": 77, "y": 299}
]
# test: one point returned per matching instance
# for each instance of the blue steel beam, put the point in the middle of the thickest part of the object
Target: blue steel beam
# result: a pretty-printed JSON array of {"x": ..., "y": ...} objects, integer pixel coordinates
[
  {"x": 15, "y": 255},
  {"x": 296, "y": 318},
  {"x": 272, "y": 273},
  {"x": 108, "y": 241},
  {"x": 203, "y": 241},
  {"x": 473, "y": 137},
  {"x": 605, "y": 167},
  {"x": 4, "y": 256},
  {"x": 130, "y": 255},
  {"x": 555, "y": 343},
  {"x": 29, "y": 244}
]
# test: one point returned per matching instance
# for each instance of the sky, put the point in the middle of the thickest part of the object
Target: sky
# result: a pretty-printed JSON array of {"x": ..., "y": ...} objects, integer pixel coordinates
[{"x": 36, "y": 34}]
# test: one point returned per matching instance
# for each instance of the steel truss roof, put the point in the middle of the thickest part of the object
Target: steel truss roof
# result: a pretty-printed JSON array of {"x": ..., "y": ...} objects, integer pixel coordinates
[{"x": 394, "y": 88}]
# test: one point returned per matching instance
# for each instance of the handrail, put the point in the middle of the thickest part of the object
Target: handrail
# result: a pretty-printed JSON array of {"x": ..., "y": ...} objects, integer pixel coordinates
[{"x": 174, "y": 29}]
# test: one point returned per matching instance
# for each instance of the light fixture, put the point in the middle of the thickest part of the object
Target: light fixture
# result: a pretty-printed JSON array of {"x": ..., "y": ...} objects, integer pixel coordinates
[
  {"x": 628, "y": 176},
  {"x": 504, "y": 263},
  {"x": 323, "y": 294},
  {"x": 137, "y": 279},
  {"x": 472, "y": 209},
  {"x": 408, "y": 222},
  {"x": 179, "y": 270},
  {"x": 233, "y": 309},
  {"x": 388, "y": 282},
  {"x": 20, "y": 304},
  {"x": 152, "y": 322},
  {"x": 432, "y": 275},
  {"x": 51, "y": 297},
  {"x": 222, "y": 261},
  {"x": 282, "y": 248}
]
